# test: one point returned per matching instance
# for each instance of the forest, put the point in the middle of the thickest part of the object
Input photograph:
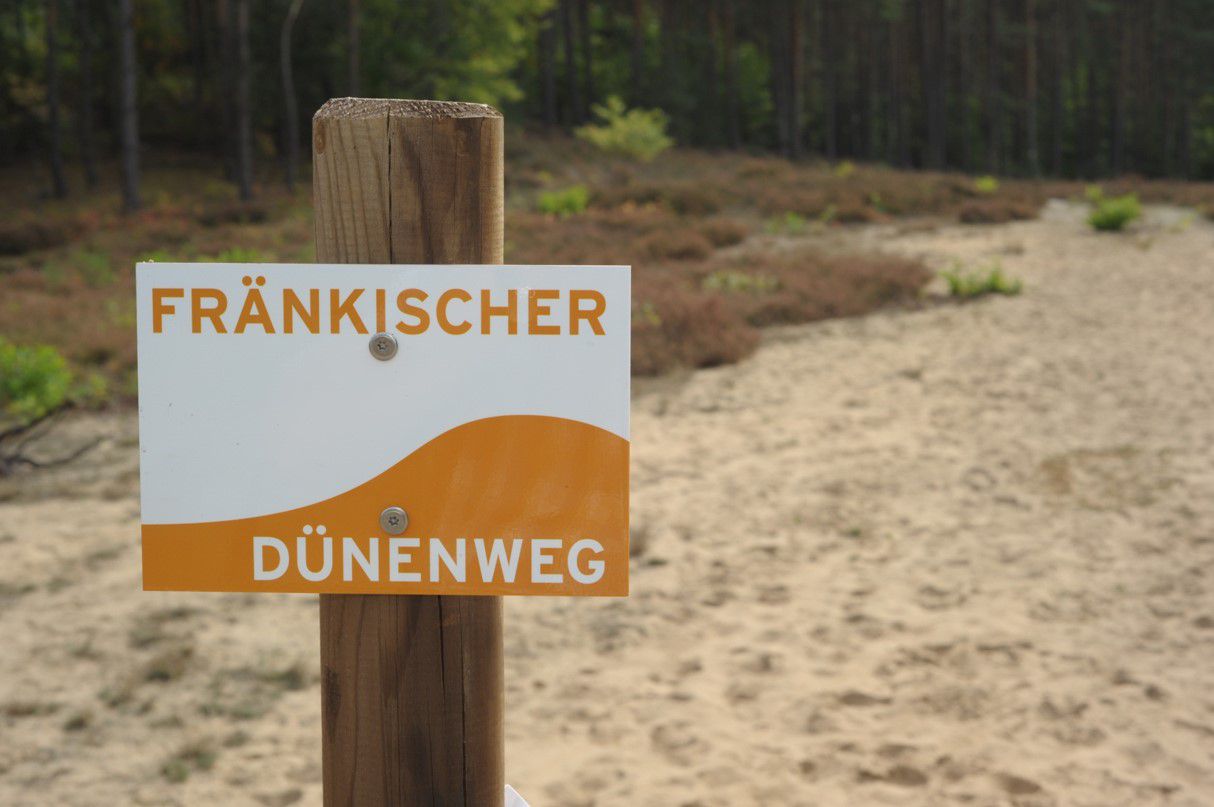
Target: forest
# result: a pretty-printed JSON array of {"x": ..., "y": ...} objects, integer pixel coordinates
[{"x": 1061, "y": 88}]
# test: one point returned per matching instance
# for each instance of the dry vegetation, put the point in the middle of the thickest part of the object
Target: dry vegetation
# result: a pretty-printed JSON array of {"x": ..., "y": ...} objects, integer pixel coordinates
[{"x": 66, "y": 268}]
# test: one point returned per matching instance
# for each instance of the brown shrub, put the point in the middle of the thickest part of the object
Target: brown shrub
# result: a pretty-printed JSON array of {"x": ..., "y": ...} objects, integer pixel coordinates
[
  {"x": 251, "y": 212},
  {"x": 681, "y": 244},
  {"x": 808, "y": 286},
  {"x": 684, "y": 198},
  {"x": 808, "y": 202},
  {"x": 856, "y": 213},
  {"x": 629, "y": 193},
  {"x": 995, "y": 211},
  {"x": 692, "y": 198},
  {"x": 674, "y": 325},
  {"x": 723, "y": 232},
  {"x": 20, "y": 237}
]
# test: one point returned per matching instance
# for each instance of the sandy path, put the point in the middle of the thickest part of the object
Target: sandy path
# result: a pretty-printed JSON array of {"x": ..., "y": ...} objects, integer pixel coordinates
[{"x": 955, "y": 556}]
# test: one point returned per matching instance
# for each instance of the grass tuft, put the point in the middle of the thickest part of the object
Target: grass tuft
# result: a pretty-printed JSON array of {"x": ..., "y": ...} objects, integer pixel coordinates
[{"x": 969, "y": 284}]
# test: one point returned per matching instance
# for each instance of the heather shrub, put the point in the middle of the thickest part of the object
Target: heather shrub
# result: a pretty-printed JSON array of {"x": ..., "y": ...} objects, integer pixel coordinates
[
  {"x": 994, "y": 211},
  {"x": 233, "y": 212},
  {"x": 19, "y": 237},
  {"x": 677, "y": 326},
  {"x": 722, "y": 232},
  {"x": 807, "y": 286},
  {"x": 677, "y": 244}
]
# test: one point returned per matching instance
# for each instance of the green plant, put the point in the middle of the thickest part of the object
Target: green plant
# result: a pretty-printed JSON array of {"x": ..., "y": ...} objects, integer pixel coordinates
[
  {"x": 637, "y": 133},
  {"x": 844, "y": 169},
  {"x": 790, "y": 223},
  {"x": 986, "y": 185},
  {"x": 34, "y": 381},
  {"x": 728, "y": 281},
  {"x": 567, "y": 202},
  {"x": 1111, "y": 215},
  {"x": 968, "y": 284}
]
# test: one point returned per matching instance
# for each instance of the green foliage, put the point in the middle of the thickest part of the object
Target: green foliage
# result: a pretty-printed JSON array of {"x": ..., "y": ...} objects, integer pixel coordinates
[
  {"x": 637, "y": 133},
  {"x": 986, "y": 185},
  {"x": 456, "y": 50},
  {"x": 1111, "y": 215},
  {"x": 968, "y": 284},
  {"x": 844, "y": 169},
  {"x": 565, "y": 202},
  {"x": 729, "y": 281},
  {"x": 34, "y": 381},
  {"x": 789, "y": 224}
]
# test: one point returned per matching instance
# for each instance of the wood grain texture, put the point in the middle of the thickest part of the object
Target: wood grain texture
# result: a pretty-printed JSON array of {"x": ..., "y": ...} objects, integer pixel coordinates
[{"x": 412, "y": 687}]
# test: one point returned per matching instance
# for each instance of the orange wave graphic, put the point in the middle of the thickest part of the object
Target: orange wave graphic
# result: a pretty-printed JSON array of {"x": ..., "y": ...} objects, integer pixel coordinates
[{"x": 513, "y": 477}]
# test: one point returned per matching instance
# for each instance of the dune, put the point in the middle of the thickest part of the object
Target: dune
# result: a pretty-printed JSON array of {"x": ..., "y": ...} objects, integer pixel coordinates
[{"x": 955, "y": 555}]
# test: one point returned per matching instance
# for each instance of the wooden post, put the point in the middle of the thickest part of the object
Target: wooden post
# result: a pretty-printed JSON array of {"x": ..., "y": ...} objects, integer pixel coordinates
[{"x": 411, "y": 687}]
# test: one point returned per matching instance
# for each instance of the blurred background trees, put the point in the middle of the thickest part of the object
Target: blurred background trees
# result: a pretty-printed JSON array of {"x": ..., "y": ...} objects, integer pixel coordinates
[{"x": 1072, "y": 88}]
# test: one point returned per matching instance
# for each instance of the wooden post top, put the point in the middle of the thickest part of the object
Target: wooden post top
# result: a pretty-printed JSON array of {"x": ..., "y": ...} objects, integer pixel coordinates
[{"x": 402, "y": 108}]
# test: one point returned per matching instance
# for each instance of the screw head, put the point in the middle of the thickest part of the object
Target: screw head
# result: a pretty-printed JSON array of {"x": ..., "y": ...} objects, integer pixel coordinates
[
  {"x": 383, "y": 346},
  {"x": 394, "y": 520}
]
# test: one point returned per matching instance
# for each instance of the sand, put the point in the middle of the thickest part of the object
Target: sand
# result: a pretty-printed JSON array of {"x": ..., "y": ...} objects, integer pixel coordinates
[{"x": 958, "y": 555}]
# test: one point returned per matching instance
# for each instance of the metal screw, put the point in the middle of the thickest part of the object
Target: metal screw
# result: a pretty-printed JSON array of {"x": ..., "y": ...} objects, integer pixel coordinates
[
  {"x": 394, "y": 520},
  {"x": 383, "y": 346}
]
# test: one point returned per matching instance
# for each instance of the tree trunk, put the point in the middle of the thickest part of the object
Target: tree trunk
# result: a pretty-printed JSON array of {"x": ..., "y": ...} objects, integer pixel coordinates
[
  {"x": 227, "y": 87},
  {"x": 1030, "y": 89},
  {"x": 291, "y": 105},
  {"x": 352, "y": 53},
  {"x": 830, "y": 69},
  {"x": 1120, "y": 89},
  {"x": 781, "y": 73},
  {"x": 88, "y": 152},
  {"x": 129, "y": 111},
  {"x": 574, "y": 112},
  {"x": 244, "y": 128},
  {"x": 638, "y": 52},
  {"x": 796, "y": 75},
  {"x": 993, "y": 101},
  {"x": 583, "y": 9},
  {"x": 1057, "y": 91},
  {"x": 728, "y": 45},
  {"x": 932, "y": 32},
  {"x": 548, "y": 68},
  {"x": 54, "y": 133}
]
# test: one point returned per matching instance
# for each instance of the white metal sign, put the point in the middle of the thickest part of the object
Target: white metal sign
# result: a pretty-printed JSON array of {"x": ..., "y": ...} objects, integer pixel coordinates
[{"x": 384, "y": 429}]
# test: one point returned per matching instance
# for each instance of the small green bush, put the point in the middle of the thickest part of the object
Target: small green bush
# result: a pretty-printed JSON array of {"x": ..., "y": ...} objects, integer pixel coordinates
[
  {"x": 792, "y": 223},
  {"x": 844, "y": 169},
  {"x": 567, "y": 202},
  {"x": 1111, "y": 215},
  {"x": 986, "y": 185},
  {"x": 637, "y": 133},
  {"x": 966, "y": 285},
  {"x": 34, "y": 381}
]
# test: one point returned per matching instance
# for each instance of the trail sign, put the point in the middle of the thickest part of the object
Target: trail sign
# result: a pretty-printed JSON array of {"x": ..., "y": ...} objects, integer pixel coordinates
[{"x": 384, "y": 429}]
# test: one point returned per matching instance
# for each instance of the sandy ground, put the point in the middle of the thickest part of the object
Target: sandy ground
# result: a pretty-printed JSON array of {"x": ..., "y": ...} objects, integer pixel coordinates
[{"x": 961, "y": 555}]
